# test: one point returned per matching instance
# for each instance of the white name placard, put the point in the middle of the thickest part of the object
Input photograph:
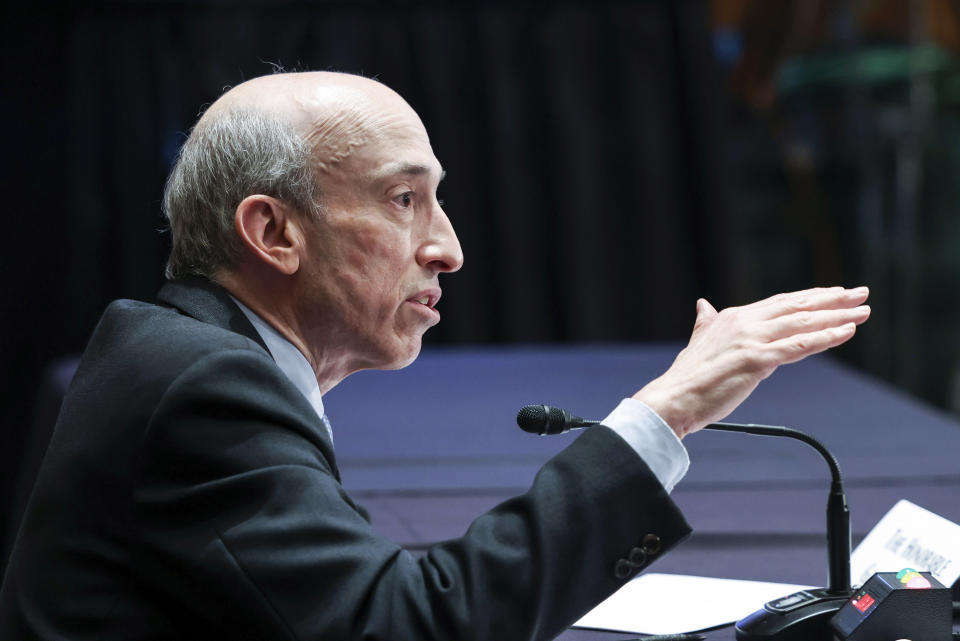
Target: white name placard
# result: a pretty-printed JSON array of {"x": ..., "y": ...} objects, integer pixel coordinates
[{"x": 909, "y": 536}]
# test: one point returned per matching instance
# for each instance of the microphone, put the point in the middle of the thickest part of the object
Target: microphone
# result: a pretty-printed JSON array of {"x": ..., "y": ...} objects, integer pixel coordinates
[
  {"x": 548, "y": 421},
  {"x": 795, "y": 617}
]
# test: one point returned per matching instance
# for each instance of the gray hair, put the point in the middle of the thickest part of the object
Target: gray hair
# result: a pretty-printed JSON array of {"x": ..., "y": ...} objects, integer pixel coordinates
[{"x": 226, "y": 158}]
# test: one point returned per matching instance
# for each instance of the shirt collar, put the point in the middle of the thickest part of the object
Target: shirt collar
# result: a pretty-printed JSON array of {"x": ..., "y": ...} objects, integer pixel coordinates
[{"x": 289, "y": 359}]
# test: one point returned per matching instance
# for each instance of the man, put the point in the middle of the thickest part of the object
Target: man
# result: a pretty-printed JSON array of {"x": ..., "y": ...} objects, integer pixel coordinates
[{"x": 191, "y": 488}]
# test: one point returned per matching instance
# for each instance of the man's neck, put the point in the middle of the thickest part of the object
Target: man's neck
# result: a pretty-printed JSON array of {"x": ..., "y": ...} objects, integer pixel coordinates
[{"x": 277, "y": 309}]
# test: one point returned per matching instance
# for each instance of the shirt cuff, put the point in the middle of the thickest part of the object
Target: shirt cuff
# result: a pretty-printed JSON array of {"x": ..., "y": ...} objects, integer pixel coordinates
[{"x": 652, "y": 439}]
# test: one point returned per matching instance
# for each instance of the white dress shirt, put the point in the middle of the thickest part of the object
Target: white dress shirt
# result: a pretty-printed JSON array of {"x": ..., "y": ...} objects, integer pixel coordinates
[
  {"x": 642, "y": 428},
  {"x": 652, "y": 439}
]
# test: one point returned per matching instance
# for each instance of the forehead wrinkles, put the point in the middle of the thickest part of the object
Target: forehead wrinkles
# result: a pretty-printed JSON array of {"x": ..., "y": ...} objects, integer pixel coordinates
[
  {"x": 336, "y": 135},
  {"x": 342, "y": 124}
]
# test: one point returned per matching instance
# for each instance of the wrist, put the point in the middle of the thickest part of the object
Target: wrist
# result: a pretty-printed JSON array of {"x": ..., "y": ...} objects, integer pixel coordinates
[{"x": 667, "y": 407}]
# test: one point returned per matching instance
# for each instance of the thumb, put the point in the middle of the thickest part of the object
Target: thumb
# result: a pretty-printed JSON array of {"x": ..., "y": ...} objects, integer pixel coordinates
[{"x": 705, "y": 313}]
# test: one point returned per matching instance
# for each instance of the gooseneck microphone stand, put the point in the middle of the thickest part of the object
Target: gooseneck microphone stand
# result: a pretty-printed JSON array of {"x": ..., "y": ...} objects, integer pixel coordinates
[{"x": 803, "y": 616}]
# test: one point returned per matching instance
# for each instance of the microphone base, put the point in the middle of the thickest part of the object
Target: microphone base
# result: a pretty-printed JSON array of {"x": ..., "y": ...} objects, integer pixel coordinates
[{"x": 803, "y": 616}]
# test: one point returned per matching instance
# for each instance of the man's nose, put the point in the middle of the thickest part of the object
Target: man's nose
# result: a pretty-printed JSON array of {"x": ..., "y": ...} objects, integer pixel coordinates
[{"x": 441, "y": 250}]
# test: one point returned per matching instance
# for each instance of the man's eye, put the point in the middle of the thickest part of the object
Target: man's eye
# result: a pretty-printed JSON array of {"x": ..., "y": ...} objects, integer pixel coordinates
[
  {"x": 440, "y": 201},
  {"x": 405, "y": 199}
]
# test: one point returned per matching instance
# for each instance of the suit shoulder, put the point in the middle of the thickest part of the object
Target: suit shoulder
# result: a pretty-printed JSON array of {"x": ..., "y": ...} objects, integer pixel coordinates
[
  {"x": 139, "y": 325},
  {"x": 139, "y": 346}
]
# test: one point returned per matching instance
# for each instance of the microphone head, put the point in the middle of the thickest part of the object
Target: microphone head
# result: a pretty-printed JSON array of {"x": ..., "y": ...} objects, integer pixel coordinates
[
  {"x": 542, "y": 419},
  {"x": 532, "y": 418}
]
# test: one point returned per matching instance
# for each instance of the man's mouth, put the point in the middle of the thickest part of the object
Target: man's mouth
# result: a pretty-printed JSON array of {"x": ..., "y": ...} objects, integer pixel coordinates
[{"x": 427, "y": 298}]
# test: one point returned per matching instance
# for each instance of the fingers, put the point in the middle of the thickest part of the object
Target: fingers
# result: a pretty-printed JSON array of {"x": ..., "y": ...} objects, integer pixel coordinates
[
  {"x": 810, "y": 321},
  {"x": 730, "y": 352},
  {"x": 799, "y": 346},
  {"x": 809, "y": 300}
]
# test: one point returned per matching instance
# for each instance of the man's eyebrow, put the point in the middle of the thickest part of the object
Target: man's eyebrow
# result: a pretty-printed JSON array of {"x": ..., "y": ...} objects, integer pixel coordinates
[{"x": 407, "y": 169}]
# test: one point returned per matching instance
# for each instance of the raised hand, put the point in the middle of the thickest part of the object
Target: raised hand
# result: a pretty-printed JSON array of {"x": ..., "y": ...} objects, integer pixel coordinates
[{"x": 731, "y": 351}]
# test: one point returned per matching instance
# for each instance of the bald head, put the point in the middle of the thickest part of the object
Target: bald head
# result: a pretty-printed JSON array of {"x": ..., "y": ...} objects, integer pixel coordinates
[
  {"x": 335, "y": 113},
  {"x": 287, "y": 136}
]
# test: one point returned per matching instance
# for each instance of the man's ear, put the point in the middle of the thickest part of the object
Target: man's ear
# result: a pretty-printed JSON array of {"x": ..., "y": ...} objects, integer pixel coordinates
[{"x": 271, "y": 232}]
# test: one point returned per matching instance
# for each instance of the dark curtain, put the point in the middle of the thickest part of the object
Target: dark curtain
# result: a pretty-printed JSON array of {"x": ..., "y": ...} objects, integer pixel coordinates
[{"x": 579, "y": 140}]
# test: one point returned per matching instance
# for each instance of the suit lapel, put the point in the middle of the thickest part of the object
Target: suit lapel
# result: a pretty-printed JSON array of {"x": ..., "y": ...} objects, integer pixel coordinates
[{"x": 210, "y": 303}]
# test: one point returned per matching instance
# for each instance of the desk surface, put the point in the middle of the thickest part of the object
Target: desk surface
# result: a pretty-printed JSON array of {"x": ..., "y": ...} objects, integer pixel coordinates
[{"x": 429, "y": 448}]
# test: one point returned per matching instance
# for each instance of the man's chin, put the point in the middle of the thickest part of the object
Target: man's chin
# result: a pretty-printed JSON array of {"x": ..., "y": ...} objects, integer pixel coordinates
[{"x": 404, "y": 356}]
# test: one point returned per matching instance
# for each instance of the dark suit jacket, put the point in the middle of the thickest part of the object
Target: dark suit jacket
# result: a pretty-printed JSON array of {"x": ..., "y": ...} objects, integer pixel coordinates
[{"x": 190, "y": 492}]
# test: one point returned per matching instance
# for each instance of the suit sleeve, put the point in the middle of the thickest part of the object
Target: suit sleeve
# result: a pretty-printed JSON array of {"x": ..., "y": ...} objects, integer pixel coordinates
[{"x": 244, "y": 524}]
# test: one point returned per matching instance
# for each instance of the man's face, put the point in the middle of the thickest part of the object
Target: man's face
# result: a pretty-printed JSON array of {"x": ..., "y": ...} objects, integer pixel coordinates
[{"x": 376, "y": 252}]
